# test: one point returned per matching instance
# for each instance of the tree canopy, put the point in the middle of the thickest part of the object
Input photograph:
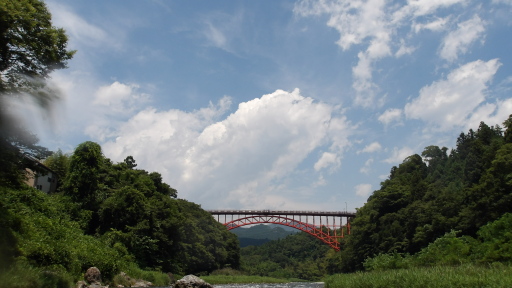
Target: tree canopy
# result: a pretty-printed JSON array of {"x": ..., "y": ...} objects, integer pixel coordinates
[
  {"x": 30, "y": 49},
  {"x": 427, "y": 196}
]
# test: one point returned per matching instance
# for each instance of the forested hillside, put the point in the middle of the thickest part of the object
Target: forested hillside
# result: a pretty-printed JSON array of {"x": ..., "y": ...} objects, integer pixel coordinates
[
  {"x": 430, "y": 194},
  {"x": 260, "y": 234},
  {"x": 438, "y": 207},
  {"x": 297, "y": 256},
  {"x": 112, "y": 216}
]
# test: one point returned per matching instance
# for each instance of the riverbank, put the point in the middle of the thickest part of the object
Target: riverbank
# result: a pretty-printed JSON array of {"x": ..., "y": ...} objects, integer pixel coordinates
[{"x": 468, "y": 276}]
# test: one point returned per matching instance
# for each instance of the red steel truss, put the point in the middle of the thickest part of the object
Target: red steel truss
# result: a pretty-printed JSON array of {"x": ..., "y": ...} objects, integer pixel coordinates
[{"x": 315, "y": 223}]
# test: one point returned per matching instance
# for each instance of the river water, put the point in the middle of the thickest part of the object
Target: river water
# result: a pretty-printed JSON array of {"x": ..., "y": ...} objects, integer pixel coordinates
[
  {"x": 270, "y": 285},
  {"x": 277, "y": 285}
]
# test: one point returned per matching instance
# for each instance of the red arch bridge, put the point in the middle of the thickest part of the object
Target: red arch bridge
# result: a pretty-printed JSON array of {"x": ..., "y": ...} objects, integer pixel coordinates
[{"x": 328, "y": 226}]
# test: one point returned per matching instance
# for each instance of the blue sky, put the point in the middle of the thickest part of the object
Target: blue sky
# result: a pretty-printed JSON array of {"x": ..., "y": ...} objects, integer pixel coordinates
[{"x": 299, "y": 105}]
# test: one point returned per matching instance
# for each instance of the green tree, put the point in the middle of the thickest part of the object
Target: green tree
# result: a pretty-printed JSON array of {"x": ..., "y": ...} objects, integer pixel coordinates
[
  {"x": 30, "y": 49},
  {"x": 59, "y": 163},
  {"x": 130, "y": 162},
  {"x": 82, "y": 182},
  {"x": 162, "y": 187},
  {"x": 86, "y": 183},
  {"x": 497, "y": 239},
  {"x": 508, "y": 129}
]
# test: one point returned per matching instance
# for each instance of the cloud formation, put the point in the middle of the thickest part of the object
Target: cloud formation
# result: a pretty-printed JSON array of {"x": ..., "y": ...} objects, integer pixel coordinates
[
  {"x": 448, "y": 103},
  {"x": 398, "y": 155},
  {"x": 390, "y": 115},
  {"x": 370, "y": 148},
  {"x": 363, "y": 190},
  {"x": 81, "y": 32},
  {"x": 457, "y": 41},
  {"x": 374, "y": 25},
  {"x": 239, "y": 159}
]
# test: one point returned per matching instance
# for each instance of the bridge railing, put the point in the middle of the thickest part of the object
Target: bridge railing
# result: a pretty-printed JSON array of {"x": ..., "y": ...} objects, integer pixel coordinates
[{"x": 283, "y": 212}]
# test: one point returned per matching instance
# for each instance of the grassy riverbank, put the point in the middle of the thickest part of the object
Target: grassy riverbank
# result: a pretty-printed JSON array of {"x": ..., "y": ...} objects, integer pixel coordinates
[{"x": 469, "y": 275}]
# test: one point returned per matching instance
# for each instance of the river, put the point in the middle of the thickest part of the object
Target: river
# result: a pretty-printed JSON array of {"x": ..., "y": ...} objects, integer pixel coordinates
[{"x": 277, "y": 285}]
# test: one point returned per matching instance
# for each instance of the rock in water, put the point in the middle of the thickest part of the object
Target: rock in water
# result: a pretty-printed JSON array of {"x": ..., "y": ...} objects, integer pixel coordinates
[{"x": 191, "y": 281}]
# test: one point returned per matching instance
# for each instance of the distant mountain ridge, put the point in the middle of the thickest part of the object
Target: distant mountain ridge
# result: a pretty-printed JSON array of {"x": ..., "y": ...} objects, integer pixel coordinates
[{"x": 261, "y": 234}]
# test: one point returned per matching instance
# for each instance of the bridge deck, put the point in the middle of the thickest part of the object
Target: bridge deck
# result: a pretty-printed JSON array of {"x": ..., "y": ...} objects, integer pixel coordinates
[{"x": 281, "y": 212}]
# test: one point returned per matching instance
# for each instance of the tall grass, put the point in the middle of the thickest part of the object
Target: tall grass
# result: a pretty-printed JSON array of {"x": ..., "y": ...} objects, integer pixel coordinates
[
  {"x": 467, "y": 275},
  {"x": 22, "y": 275},
  {"x": 156, "y": 277}
]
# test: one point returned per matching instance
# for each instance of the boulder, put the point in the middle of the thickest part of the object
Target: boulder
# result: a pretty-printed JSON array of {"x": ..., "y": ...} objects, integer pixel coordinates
[
  {"x": 142, "y": 283},
  {"x": 92, "y": 279},
  {"x": 93, "y": 275},
  {"x": 191, "y": 281}
]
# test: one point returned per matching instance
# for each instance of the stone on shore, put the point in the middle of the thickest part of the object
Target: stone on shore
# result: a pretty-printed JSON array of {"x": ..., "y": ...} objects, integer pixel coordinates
[
  {"x": 191, "y": 281},
  {"x": 93, "y": 275}
]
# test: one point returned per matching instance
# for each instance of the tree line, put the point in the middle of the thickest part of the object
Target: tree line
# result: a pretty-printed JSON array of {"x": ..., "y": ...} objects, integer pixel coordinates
[
  {"x": 109, "y": 215},
  {"x": 443, "y": 207},
  {"x": 431, "y": 194}
]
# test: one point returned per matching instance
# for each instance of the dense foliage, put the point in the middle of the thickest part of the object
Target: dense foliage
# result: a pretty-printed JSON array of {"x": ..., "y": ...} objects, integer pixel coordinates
[
  {"x": 434, "y": 209},
  {"x": 111, "y": 216},
  {"x": 429, "y": 195},
  {"x": 295, "y": 256},
  {"x": 30, "y": 49},
  {"x": 493, "y": 244}
]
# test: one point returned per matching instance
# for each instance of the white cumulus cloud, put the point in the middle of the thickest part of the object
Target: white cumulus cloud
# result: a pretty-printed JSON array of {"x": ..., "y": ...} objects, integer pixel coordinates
[
  {"x": 425, "y": 7},
  {"x": 373, "y": 25},
  {"x": 236, "y": 161},
  {"x": 327, "y": 159},
  {"x": 448, "y": 103},
  {"x": 457, "y": 41},
  {"x": 491, "y": 114},
  {"x": 398, "y": 155},
  {"x": 390, "y": 115},
  {"x": 363, "y": 190},
  {"x": 119, "y": 97},
  {"x": 436, "y": 25},
  {"x": 370, "y": 148}
]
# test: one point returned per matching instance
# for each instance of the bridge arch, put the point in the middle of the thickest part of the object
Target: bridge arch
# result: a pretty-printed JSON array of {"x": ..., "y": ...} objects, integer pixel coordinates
[{"x": 330, "y": 234}]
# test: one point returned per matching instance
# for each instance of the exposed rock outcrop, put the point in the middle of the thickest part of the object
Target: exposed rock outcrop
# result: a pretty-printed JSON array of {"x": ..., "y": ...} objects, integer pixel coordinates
[{"x": 191, "y": 281}]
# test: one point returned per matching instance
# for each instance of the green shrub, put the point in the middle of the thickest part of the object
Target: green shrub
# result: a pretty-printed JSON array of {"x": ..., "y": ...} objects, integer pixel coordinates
[
  {"x": 387, "y": 261},
  {"x": 497, "y": 240},
  {"x": 227, "y": 271},
  {"x": 23, "y": 275},
  {"x": 446, "y": 250},
  {"x": 156, "y": 277}
]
